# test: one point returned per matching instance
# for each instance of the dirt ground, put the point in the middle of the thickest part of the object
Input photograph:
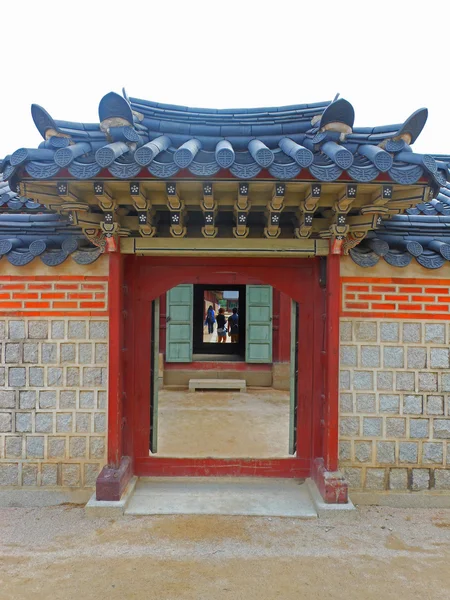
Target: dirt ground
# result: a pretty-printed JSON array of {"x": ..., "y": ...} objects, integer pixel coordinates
[
  {"x": 254, "y": 424},
  {"x": 385, "y": 553}
]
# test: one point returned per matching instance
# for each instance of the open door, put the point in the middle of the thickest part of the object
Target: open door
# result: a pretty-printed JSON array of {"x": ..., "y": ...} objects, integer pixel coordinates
[
  {"x": 154, "y": 384},
  {"x": 180, "y": 302},
  {"x": 258, "y": 347},
  {"x": 293, "y": 379}
]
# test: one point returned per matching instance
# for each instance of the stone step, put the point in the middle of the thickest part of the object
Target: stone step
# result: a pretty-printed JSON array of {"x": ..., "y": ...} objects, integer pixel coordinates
[{"x": 217, "y": 384}]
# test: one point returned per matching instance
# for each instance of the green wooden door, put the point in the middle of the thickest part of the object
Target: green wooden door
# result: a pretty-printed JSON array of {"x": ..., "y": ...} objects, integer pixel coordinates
[
  {"x": 155, "y": 379},
  {"x": 258, "y": 338},
  {"x": 180, "y": 302},
  {"x": 293, "y": 379}
]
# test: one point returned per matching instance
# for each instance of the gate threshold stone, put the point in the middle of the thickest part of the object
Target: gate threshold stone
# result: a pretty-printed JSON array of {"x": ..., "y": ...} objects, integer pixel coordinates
[
  {"x": 217, "y": 384},
  {"x": 265, "y": 497}
]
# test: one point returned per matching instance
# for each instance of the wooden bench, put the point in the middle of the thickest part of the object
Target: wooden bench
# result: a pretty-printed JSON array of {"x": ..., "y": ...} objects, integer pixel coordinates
[{"x": 217, "y": 384}]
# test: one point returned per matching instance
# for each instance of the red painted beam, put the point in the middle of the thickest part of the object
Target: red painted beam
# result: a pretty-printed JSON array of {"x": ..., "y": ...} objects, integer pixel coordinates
[
  {"x": 115, "y": 371},
  {"x": 216, "y": 467},
  {"x": 331, "y": 405}
]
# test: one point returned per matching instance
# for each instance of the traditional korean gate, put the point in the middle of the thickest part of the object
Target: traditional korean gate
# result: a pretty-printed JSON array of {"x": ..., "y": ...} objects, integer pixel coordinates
[{"x": 147, "y": 279}]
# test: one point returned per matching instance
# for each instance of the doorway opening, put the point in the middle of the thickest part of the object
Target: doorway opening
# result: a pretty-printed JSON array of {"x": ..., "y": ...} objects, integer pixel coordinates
[{"x": 219, "y": 309}]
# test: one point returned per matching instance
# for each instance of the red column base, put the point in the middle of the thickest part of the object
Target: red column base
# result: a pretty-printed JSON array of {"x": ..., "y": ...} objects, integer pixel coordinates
[
  {"x": 112, "y": 482},
  {"x": 332, "y": 486}
]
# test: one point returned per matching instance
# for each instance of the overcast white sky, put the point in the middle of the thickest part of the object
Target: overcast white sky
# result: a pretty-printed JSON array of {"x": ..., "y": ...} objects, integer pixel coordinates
[{"x": 388, "y": 58}]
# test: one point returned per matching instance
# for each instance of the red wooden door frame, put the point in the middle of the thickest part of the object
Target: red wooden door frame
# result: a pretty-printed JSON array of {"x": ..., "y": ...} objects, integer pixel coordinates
[{"x": 146, "y": 278}]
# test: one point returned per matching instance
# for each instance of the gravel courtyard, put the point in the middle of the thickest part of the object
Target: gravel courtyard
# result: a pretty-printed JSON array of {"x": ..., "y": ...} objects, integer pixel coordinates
[{"x": 386, "y": 553}]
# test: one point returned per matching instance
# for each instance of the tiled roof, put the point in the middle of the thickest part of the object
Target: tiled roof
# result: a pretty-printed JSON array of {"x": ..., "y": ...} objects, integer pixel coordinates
[{"x": 136, "y": 135}]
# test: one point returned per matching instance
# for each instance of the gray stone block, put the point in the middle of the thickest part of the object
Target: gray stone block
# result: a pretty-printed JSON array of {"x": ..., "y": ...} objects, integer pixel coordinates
[
  {"x": 419, "y": 428},
  {"x": 64, "y": 422},
  {"x": 349, "y": 426},
  {"x": 49, "y": 354},
  {"x": 12, "y": 353},
  {"x": 49, "y": 474},
  {"x": 353, "y": 477},
  {"x": 435, "y": 333},
  {"x": 416, "y": 358},
  {"x": 442, "y": 479},
  {"x": 386, "y": 453},
  {"x": 420, "y": 479},
  {"x": 30, "y": 353},
  {"x": 17, "y": 330},
  {"x": 24, "y": 422},
  {"x": 13, "y": 446},
  {"x": 404, "y": 381},
  {"x": 57, "y": 330},
  {"x": 2, "y": 376},
  {"x": 67, "y": 399},
  {"x": 428, "y": 382},
  {"x": 345, "y": 451},
  {"x": 77, "y": 447},
  {"x": 363, "y": 452},
  {"x": 7, "y": 399},
  {"x": 365, "y": 403},
  {"x": 345, "y": 402},
  {"x": 9, "y": 474},
  {"x": 5, "y": 422},
  {"x": 396, "y": 427},
  {"x": 38, "y": 330},
  {"x": 47, "y": 399},
  {"x": 375, "y": 479},
  {"x": 99, "y": 423},
  {"x": 96, "y": 447},
  {"x": 408, "y": 452},
  {"x": 2, "y": 330},
  {"x": 398, "y": 479},
  {"x": 77, "y": 330},
  {"x": 372, "y": 426},
  {"x": 365, "y": 331},
  {"x": 344, "y": 380},
  {"x": 432, "y": 452},
  {"x": 56, "y": 447},
  {"x": 92, "y": 376},
  {"x": 370, "y": 356},
  {"x": 67, "y": 353},
  {"x": 85, "y": 354},
  {"x": 435, "y": 405},
  {"x": 44, "y": 423},
  {"x": 91, "y": 472},
  {"x": 73, "y": 377},
  {"x": 390, "y": 403},
  {"x": 71, "y": 475},
  {"x": 439, "y": 358},
  {"x": 345, "y": 328},
  {"x": 29, "y": 474},
  {"x": 98, "y": 330},
  {"x": 36, "y": 376},
  {"x": 412, "y": 333},
  {"x": 441, "y": 429},
  {"x": 394, "y": 357},
  {"x": 54, "y": 377},
  {"x": 87, "y": 399},
  {"x": 35, "y": 446},
  {"x": 102, "y": 401},
  {"x": 17, "y": 376},
  {"x": 363, "y": 380},
  {"x": 412, "y": 405},
  {"x": 389, "y": 332},
  {"x": 385, "y": 380},
  {"x": 82, "y": 422}
]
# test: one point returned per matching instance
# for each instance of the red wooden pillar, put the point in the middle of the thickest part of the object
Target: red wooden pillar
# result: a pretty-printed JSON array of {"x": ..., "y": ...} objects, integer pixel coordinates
[
  {"x": 331, "y": 483},
  {"x": 331, "y": 405},
  {"x": 114, "y": 477}
]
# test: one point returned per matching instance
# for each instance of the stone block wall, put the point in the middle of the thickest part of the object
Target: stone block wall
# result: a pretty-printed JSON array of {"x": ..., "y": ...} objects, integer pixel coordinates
[
  {"x": 53, "y": 380},
  {"x": 395, "y": 404}
]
